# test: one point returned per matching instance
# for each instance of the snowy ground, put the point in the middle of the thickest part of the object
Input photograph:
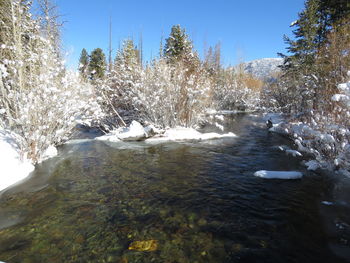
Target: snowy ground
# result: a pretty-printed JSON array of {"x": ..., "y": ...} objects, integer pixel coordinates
[
  {"x": 136, "y": 132},
  {"x": 14, "y": 168},
  {"x": 14, "y": 165}
]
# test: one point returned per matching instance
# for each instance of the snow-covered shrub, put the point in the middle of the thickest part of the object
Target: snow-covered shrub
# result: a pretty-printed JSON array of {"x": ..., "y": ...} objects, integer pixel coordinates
[
  {"x": 236, "y": 91},
  {"x": 320, "y": 104},
  {"x": 326, "y": 136},
  {"x": 172, "y": 95},
  {"x": 46, "y": 114},
  {"x": 117, "y": 89},
  {"x": 39, "y": 99},
  {"x": 164, "y": 94}
]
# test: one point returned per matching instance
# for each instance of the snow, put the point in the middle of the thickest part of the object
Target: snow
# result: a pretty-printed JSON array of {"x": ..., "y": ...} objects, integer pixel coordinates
[
  {"x": 221, "y": 127},
  {"x": 278, "y": 174},
  {"x": 183, "y": 134},
  {"x": 340, "y": 97},
  {"x": 13, "y": 167},
  {"x": 279, "y": 129},
  {"x": 325, "y": 140},
  {"x": 294, "y": 153},
  {"x": 111, "y": 137},
  {"x": 135, "y": 132},
  {"x": 50, "y": 152},
  {"x": 312, "y": 165},
  {"x": 294, "y": 23},
  {"x": 77, "y": 141},
  {"x": 288, "y": 151},
  {"x": 263, "y": 68},
  {"x": 220, "y": 117},
  {"x": 327, "y": 203}
]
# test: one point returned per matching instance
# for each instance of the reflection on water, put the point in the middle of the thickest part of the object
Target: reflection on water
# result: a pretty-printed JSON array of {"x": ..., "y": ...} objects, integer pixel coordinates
[{"x": 198, "y": 200}]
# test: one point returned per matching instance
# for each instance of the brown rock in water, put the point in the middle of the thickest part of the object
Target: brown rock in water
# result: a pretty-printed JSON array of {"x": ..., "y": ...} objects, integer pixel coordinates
[{"x": 146, "y": 245}]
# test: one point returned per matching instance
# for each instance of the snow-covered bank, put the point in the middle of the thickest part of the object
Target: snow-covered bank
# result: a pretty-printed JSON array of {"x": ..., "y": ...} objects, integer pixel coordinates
[
  {"x": 326, "y": 138},
  {"x": 136, "y": 132},
  {"x": 14, "y": 168},
  {"x": 50, "y": 152},
  {"x": 183, "y": 134},
  {"x": 278, "y": 174},
  {"x": 328, "y": 146}
]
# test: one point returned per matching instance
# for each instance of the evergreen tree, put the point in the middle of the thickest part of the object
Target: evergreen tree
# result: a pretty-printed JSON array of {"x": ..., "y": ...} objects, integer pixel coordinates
[
  {"x": 305, "y": 73},
  {"x": 84, "y": 63},
  {"x": 128, "y": 55},
  {"x": 212, "y": 59},
  {"x": 315, "y": 22},
  {"x": 307, "y": 38},
  {"x": 334, "y": 11},
  {"x": 178, "y": 46},
  {"x": 97, "y": 65}
]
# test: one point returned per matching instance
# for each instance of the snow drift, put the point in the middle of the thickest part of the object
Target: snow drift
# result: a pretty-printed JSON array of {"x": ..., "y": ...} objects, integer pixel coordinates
[
  {"x": 278, "y": 174},
  {"x": 14, "y": 167},
  {"x": 183, "y": 134},
  {"x": 136, "y": 132}
]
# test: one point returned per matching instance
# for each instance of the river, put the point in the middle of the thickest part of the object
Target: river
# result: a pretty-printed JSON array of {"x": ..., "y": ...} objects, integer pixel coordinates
[{"x": 196, "y": 201}]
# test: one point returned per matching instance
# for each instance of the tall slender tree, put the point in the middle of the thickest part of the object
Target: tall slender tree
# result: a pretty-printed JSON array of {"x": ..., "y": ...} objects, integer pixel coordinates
[
  {"x": 312, "y": 27},
  {"x": 97, "y": 65},
  {"x": 307, "y": 38},
  {"x": 110, "y": 46},
  {"x": 128, "y": 55},
  {"x": 84, "y": 63}
]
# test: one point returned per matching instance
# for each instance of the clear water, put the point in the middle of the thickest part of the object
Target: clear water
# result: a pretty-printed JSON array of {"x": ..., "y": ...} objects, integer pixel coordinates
[{"x": 198, "y": 200}]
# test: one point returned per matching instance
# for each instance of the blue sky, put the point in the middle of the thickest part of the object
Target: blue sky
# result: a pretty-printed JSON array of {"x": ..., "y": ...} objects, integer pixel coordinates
[{"x": 247, "y": 29}]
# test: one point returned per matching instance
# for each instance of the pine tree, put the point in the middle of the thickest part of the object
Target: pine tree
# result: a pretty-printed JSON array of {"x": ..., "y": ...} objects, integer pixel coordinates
[
  {"x": 97, "y": 65},
  {"x": 125, "y": 76},
  {"x": 315, "y": 22},
  {"x": 307, "y": 38},
  {"x": 335, "y": 10},
  {"x": 305, "y": 73},
  {"x": 178, "y": 46},
  {"x": 128, "y": 55},
  {"x": 84, "y": 63}
]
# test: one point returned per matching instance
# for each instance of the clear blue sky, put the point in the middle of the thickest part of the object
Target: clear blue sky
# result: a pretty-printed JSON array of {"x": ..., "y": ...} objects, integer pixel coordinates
[{"x": 247, "y": 29}]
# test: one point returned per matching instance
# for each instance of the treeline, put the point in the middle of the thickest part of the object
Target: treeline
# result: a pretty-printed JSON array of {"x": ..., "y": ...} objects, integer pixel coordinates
[{"x": 176, "y": 88}]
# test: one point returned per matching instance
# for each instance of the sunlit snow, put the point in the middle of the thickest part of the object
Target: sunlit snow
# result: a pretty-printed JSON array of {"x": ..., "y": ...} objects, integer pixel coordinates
[{"x": 278, "y": 174}]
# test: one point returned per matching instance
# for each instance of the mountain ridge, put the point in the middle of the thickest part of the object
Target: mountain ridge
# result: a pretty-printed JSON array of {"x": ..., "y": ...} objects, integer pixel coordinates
[{"x": 262, "y": 68}]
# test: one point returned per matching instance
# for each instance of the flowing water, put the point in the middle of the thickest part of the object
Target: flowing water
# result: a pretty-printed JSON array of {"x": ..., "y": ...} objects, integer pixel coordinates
[{"x": 194, "y": 201}]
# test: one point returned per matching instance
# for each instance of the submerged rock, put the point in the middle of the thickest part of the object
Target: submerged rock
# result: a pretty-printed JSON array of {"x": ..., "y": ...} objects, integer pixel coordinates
[{"x": 146, "y": 245}]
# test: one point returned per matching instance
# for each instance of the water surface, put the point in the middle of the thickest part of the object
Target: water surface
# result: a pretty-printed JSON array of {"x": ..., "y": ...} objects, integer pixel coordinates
[{"x": 198, "y": 200}]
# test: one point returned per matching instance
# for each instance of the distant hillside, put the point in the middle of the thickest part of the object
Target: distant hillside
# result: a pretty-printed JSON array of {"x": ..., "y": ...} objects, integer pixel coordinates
[{"x": 262, "y": 68}]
